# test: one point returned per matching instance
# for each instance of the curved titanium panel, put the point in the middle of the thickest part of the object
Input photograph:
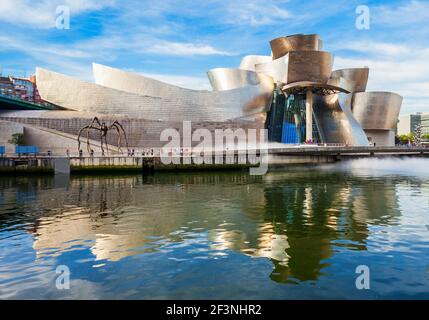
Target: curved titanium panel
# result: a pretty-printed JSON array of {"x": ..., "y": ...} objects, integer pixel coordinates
[
  {"x": 344, "y": 83},
  {"x": 276, "y": 69},
  {"x": 385, "y": 138},
  {"x": 299, "y": 42},
  {"x": 377, "y": 110},
  {"x": 357, "y": 75},
  {"x": 135, "y": 83},
  {"x": 222, "y": 79},
  {"x": 249, "y": 62},
  {"x": 314, "y": 66},
  {"x": 129, "y": 94},
  {"x": 335, "y": 122}
]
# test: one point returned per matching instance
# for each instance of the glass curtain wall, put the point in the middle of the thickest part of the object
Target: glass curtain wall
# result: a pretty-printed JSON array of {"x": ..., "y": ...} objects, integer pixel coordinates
[{"x": 287, "y": 120}]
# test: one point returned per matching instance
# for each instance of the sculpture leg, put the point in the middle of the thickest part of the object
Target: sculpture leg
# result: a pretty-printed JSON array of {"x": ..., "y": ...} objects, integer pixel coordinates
[
  {"x": 120, "y": 128},
  {"x": 96, "y": 125},
  {"x": 79, "y": 135},
  {"x": 119, "y": 140},
  {"x": 88, "y": 144},
  {"x": 101, "y": 145},
  {"x": 114, "y": 125},
  {"x": 107, "y": 146},
  {"x": 78, "y": 142}
]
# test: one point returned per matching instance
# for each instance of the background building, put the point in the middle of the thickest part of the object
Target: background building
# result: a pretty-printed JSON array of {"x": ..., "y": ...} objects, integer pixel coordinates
[
  {"x": 19, "y": 88},
  {"x": 407, "y": 124}
]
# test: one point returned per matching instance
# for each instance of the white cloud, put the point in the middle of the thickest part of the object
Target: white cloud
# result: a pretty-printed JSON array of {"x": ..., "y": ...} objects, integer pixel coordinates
[
  {"x": 42, "y": 14},
  {"x": 14, "y": 43},
  {"x": 405, "y": 75},
  {"x": 64, "y": 59},
  {"x": 407, "y": 14},
  {"x": 396, "y": 67},
  {"x": 215, "y": 12},
  {"x": 256, "y": 13},
  {"x": 374, "y": 48},
  {"x": 185, "y": 49}
]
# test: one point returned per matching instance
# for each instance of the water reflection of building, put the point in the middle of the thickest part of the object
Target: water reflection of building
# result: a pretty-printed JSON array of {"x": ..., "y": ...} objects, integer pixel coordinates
[
  {"x": 301, "y": 212},
  {"x": 262, "y": 242},
  {"x": 125, "y": 215},
  {"x": 373, "y": 201},
  {"x": 323, "y": 211},
  {"x": 294, "y": 219}
]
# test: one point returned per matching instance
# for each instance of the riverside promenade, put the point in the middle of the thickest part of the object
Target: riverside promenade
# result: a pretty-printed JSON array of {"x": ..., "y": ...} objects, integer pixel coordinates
[{"x": 238, "y": 159}]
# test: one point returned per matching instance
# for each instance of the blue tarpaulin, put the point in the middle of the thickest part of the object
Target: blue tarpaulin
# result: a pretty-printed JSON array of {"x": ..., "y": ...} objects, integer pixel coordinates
[
  {"x": 289, "y": 133},
  {"x": 2, "y": 150},
  {"x": 26, "y": 149}
]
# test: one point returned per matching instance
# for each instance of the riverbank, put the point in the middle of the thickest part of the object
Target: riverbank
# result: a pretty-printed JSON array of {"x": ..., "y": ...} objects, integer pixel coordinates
[{"x": 238, "y": 160}]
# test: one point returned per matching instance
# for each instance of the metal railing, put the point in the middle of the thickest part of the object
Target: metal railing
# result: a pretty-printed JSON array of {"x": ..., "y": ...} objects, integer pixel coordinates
[{"x": 33, "y": 152}]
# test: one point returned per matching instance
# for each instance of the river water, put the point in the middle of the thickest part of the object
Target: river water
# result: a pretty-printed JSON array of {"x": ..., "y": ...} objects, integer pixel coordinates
[{"x": 291, "y": 234}]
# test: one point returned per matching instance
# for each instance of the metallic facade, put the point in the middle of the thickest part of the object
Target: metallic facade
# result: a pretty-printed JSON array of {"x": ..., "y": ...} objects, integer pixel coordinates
[
  {"x": 343, "y": 83},
  {"x": 222, "y": 79},
  {"x": 299, "y": 42},
  {"x": 276, "y": 69},
  {"x": 141, "y": 133},
  {"x": 377, "y": 113},
  {"x": 377, "y": 110},
  {"x": 294, "y": 93},
  {"x": 297, "y": 66},
  {"x": 335, "y": 121},
  {"x": 301, "y": 69},
  {"x": 309, "y": 66},
  {"x": 177, "y": 104},
  {"x": 135, "y": 83},
  {"x": 249, "y": 62},
  {"x": 357, "y": 78},
  {"x": 301, "y": 87}
]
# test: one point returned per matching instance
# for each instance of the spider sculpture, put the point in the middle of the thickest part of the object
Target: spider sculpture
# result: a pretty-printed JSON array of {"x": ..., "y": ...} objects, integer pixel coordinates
[{"x": 103, "y": 129}]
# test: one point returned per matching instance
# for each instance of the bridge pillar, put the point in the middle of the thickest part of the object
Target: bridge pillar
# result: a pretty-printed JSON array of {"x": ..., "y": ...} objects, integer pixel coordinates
[{"x": 62, "y": 165}]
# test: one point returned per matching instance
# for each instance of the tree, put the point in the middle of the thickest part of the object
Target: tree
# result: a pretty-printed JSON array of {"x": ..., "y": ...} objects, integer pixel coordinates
[
  {"x": 418, "y": 134},
  {"x": 17, "y": 139},
  {"x": 425, "y": 136},
  {"x": 406, "y": 138}
]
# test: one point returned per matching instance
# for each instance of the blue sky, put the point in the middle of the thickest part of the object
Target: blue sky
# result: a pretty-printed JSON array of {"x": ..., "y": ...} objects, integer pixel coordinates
[{"x": 178, "y": 41}]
